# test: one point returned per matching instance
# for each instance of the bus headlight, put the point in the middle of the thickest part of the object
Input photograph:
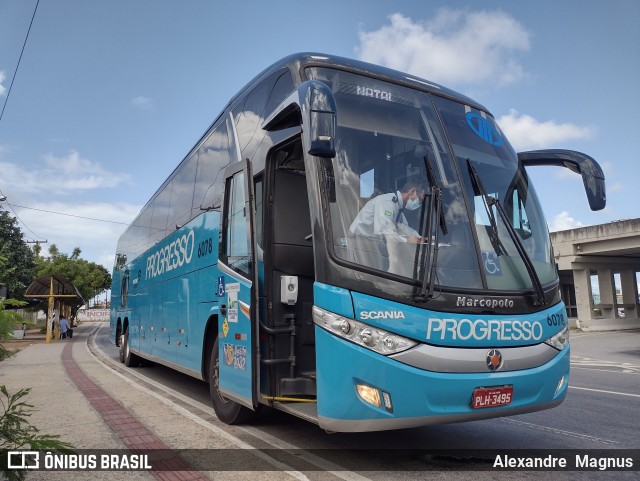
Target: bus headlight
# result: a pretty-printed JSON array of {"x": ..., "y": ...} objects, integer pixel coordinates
[
  {"x": 373, "y": 338},
  {"x": 560, "y": 340}
]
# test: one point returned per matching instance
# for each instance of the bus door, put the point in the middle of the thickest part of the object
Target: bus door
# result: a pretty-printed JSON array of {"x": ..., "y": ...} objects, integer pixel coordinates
[{"x": 237, "y": 289}]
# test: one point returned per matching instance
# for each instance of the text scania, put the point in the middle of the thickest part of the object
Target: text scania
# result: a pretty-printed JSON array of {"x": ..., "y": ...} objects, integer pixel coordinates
[
  {"x": 484, "y": 330},
  {"x": 364, "y": 315},
  {"x": 171, "y": 256}
]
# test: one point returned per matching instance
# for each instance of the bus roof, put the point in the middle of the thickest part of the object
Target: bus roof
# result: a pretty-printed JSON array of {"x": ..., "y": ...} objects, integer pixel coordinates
[
  {"x": 302, "y": 60},
  {"x": 297, "y": 62}
]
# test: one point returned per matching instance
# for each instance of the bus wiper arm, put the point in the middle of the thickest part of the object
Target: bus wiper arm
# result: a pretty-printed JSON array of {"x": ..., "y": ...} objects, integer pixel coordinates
[
  {"x": 430, "y": 249},
  {"x": 491, "y": 201},
  {"x": 531, "y": 270},
  {"x": 432, "y": 180},
  {"x": 488, "y": 201}
]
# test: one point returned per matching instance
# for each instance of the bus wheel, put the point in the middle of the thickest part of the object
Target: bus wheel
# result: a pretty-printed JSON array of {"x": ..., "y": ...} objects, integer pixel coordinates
[
  {"x": 121, "y": 345},
  {"x": 129, "y": 358},
  {"x": 229, "y": 412}
]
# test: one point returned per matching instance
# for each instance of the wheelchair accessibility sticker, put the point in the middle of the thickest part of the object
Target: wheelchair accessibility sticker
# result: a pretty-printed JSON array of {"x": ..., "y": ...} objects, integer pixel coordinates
[{"x": 491, "y": 263}]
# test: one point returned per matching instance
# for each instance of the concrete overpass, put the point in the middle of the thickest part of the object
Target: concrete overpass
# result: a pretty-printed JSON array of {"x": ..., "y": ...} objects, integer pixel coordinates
[{"x": 591, "y": 259}]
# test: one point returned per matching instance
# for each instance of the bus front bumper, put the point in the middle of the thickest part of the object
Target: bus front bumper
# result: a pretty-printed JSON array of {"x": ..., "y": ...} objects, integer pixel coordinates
[{"x": 412, "y": 397}]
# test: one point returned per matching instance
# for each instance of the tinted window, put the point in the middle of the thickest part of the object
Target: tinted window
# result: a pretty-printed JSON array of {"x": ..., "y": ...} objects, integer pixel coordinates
[
  {"x": 161, "y": 206},
  {"x": 213, "y": 156},
  {"x": 141, "y": 229},
  {"x": 282, "y": 88},
  {"x": 182, "y": 194},
  {"x": 237, "y": 239},
  {"x": 258, "y": 104}
]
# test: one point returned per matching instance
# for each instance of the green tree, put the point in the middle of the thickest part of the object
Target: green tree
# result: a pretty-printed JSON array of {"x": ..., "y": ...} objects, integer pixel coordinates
[
  {"x": 88, "y": 277},
  {"x": 9, "y": 320},
  {"x": 18, "y": 269}
]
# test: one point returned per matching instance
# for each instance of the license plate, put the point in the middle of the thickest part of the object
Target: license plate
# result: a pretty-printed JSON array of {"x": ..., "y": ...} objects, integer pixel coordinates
[{"x": 488, "y": 397}]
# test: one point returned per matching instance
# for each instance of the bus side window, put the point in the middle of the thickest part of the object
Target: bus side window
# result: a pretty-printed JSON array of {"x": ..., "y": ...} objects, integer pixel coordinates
[
  {"x": 259, "y": 103},
  {"x": 236, "y": 249},
  {"x": 213, "y": 156},
  {"x": 182, "y": 194},
  {"x": 161, "y": 206}
]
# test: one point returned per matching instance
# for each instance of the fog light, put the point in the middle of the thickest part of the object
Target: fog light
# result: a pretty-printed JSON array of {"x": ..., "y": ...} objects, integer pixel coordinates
[{"x": 369, "y": 394}]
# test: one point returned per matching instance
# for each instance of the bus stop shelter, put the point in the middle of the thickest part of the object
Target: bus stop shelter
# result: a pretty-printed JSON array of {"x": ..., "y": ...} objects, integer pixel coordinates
[{"x": 61, "y": 296}]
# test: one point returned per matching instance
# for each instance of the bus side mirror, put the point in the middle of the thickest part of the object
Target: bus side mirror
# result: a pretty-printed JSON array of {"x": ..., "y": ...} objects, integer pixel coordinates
[
  {"x": 313, "y": 107},
  {"x": 592, "y": 175}
]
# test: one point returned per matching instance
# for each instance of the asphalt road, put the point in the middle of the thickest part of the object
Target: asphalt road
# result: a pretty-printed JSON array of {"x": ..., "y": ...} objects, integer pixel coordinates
[{"x": 601, "y": 411}]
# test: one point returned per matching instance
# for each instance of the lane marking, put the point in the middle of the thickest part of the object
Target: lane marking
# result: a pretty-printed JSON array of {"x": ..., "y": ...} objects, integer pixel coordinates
[
  {"x": 624, "y": 371},
  {"x": 605, "y": 391},
  {"x": 561, "y": 432},
  {"x": 603, "y": 333}
]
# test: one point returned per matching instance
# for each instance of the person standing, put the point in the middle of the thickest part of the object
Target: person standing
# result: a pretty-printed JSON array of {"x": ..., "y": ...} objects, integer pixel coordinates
[{"x": 64, "y": 326}]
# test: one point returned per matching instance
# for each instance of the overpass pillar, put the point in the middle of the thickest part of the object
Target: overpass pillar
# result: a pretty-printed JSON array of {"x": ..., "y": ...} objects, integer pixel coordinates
[
  {"x": 629, "y": 294},
  {"x": 582, "y": 282},
  {"x": 607, "y": 293}
]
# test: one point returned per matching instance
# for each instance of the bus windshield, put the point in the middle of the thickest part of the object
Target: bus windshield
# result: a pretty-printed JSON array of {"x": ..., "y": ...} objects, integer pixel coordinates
[{"x": 393, "y": 145}]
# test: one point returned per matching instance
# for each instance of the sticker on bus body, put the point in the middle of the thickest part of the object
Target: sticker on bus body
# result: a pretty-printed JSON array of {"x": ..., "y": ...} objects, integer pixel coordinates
[
  {"x": 232, "y": 301},
  {"x": 235, "y": 356},
  {"x": 225, "y": 327}
]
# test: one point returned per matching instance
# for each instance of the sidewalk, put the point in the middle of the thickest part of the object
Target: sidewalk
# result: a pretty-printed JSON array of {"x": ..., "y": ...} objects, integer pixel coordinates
[
  {"x": 77, "y": 410},
  {"x": 59, "y": 408}
]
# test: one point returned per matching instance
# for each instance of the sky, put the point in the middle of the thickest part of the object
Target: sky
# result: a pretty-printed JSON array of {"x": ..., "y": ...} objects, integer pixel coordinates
[{"x": 110, "y": 96}]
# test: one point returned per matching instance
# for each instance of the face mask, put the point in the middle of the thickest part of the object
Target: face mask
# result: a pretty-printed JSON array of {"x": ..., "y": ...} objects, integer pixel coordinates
[{"x": 413, "y": 204}]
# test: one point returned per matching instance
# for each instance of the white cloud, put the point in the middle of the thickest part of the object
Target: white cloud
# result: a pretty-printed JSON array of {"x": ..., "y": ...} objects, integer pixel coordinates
[
  {"x": 563, "y": 221},
  {"x": 455, "y": 47},
  {"x": 143, "y": 103},
  {"x": 60, "y": 175},
  {"x": 96, "y": 239},
  {"x": 43, "y": 191},
  {"x": 3, "y": 89},
  {"x": 525, "y": 132}
]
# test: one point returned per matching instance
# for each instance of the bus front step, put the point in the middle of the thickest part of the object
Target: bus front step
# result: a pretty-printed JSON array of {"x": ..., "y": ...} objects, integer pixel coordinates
[{"x": 297, "y": 386}]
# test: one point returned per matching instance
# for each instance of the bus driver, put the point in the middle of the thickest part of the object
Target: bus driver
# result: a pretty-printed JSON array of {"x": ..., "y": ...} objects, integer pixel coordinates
[{"x": 383, "y": 215}]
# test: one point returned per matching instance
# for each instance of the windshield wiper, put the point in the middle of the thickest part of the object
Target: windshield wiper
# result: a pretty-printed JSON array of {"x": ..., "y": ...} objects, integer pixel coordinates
[
  {"x": 489, "y": 202},
  {"x": 429, "y": 250}
]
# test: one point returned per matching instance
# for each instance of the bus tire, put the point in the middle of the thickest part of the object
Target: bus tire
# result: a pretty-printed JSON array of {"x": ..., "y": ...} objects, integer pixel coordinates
[
  {"x": 130, "y": 359},
  {"x": 228, "y": 411},
  {"x": 121, "y": 347}
]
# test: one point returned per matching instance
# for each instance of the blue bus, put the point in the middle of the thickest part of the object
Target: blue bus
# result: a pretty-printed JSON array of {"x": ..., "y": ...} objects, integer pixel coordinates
[{"x": 355, "y": 246}]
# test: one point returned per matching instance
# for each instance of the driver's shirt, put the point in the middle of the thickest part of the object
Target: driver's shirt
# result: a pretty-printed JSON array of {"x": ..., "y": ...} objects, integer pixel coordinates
[{"x": 382, "y": 216}]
